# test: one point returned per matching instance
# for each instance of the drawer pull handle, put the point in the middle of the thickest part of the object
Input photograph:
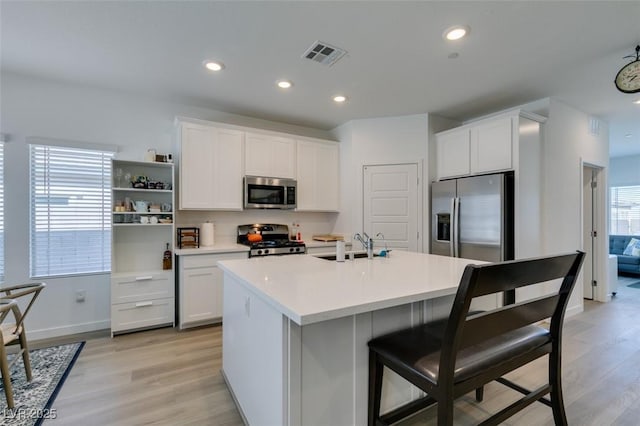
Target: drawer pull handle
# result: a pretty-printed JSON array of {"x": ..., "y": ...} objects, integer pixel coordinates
[
  {"x": 142, "y": 304},
  {"x": 203, "y": 274},
  {"x": 145, "y": 278}
]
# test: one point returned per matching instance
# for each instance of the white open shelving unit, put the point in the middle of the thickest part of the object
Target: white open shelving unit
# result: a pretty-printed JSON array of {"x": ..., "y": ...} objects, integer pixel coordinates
[{"x": 142, "y": 292}]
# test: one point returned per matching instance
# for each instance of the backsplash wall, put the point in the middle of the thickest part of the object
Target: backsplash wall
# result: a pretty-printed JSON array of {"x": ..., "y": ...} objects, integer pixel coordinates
[{"x": 226, "y": 222}]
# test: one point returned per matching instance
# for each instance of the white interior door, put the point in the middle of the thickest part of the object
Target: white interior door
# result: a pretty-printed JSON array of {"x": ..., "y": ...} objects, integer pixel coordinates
[{"x": 391, "y": 205}]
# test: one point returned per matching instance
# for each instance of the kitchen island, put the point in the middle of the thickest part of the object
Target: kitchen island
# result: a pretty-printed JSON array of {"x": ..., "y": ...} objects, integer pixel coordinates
[{"x": 296, "y": 330}]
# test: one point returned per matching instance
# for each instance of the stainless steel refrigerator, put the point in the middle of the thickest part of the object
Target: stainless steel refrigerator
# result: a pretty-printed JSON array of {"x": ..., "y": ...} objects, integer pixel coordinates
[{"x": 472, "y": 217}]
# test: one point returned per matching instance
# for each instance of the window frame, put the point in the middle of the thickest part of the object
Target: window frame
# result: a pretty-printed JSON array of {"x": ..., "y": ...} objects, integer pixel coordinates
[
  {"x": 70, "y": 189},
  {"x": 629, "y": 203}
]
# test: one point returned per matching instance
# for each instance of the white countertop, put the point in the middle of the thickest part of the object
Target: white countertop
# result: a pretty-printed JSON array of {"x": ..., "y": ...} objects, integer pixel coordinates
[
  {"x": 232, "y": 247},
  {"x": 217, "y": 248},
  {"x": 308, "y": 289},
  {"x": 328, "y": 244}
]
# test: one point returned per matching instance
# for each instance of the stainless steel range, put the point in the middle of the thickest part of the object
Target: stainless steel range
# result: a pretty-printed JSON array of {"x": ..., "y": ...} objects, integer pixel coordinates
[{"x": 268, "y": 239}]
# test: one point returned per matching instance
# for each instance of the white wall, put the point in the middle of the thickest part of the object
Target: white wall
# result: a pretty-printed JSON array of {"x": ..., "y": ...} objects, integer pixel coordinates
[
  {"x": 624, "y": 171},
  {"x": 32, "y": 107},
  {"x": 387, "y": 140},
  {"x": 567, "y": 144}
]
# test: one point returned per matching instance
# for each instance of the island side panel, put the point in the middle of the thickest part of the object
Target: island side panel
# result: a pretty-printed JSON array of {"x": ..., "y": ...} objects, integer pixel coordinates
[
  {"x": 253, "y": 347},
  {"x": 333, "y": 376}
]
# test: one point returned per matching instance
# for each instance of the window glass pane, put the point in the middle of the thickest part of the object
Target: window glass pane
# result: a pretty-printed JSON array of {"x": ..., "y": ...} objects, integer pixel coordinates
[
  {"x": 625, "y": 210},
  {"x": 1, "y": 211},
  {"x": 70, "y": 211}
]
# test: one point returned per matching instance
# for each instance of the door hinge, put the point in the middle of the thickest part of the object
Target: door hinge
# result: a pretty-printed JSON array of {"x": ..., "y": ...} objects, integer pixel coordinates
[
  {"x": 418, "y": 235},
  {"x": 594, "y": 234},
  {"x": 595, "y": 283},
  {"x": 594, "y": 184}
]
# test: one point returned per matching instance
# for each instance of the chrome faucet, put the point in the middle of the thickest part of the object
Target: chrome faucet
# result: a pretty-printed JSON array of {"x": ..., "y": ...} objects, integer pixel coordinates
[{"x": 367, "y": 243}]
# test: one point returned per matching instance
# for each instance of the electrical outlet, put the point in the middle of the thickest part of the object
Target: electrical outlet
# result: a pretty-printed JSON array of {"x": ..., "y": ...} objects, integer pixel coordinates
[{"x": 81, "y": 295}]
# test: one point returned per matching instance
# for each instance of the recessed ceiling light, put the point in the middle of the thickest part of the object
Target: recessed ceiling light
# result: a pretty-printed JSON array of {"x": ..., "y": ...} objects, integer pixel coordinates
[
  {"x": 339, "y": 99},
  {"x": 628, "y": 135},
  {"x": 284, "y": 84},
  {"x": 213, "y": 65},
  {"x": 637, "y": 101},
  {"x": 456, "y": 32}
]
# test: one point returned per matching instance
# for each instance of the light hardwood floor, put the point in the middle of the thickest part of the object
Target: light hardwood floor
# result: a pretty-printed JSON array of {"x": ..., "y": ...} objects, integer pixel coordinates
[{"x": 166, "y": 377}]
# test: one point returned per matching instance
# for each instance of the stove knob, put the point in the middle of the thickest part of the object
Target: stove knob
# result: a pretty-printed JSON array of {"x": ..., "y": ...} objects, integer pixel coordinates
[
  {"x": 297, "y": 249},
  {"x": 290, "y": 249},
  {"x": 266, "y": 252},
  {"x": 259, "y": 251}
]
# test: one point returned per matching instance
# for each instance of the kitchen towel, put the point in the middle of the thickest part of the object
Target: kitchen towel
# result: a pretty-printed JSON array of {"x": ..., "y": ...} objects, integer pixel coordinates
[{"x": 207, "y": 238}]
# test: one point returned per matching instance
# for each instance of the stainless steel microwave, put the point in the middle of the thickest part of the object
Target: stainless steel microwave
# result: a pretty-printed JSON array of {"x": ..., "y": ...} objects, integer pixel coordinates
[{"x": 269, "y": 193}]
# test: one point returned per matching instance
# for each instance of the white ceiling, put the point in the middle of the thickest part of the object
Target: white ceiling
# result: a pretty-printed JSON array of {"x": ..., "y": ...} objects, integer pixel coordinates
[{"x": 397, "y": 60}]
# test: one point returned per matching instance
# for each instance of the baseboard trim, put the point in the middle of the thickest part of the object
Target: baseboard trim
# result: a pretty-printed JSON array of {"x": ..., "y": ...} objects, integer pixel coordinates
[
  {"x": 575, "y": 310},
  {"x": 48, "y": 333},
  {"x": 233, "y": 396}
]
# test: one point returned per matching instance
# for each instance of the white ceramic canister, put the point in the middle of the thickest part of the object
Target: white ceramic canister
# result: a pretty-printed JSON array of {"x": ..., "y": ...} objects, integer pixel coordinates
[{"x": 207, "y": 237}]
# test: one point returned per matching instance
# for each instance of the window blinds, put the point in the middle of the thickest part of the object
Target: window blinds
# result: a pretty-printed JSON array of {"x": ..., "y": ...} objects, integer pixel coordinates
[
  {"x": 1, "y": 211},
  {"x": 625, "y": 210},
  {"x": 70, "y": 210}
]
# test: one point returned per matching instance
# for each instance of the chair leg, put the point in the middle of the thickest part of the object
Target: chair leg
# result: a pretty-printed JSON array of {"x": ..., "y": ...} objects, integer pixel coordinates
[
  {"x": 445, "y": 412},
  {"x": 555, "y": 379},
  {"x": 6, "y": 377},
  {"x": 25, "y": 355},
  {"x": 375, "y": 388},
  {"x": 480, "y": 394}
]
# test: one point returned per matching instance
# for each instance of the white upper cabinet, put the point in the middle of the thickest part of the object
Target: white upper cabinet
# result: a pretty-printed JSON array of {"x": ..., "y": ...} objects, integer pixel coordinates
[
  {"x": 211, "y": 167},
  {"x": 318, "y": 176},
  {"x": 452, "y": 149},
  {"x": 476, "y": 148},
  {"x": 491, "y": 146},
  {"x": 214, "y": 158},
  {"x": 269, "y": 155}
]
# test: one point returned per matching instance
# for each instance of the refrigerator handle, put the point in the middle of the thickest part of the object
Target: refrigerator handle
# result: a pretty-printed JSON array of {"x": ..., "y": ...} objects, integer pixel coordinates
[
  {"x": 452, "y": 231},
  {"x": 456, "y": 227}
]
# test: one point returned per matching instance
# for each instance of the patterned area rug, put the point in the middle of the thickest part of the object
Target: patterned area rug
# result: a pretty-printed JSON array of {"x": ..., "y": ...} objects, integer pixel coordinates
[
  {"x": 50, "y": 367},
  {"x": 634, "y": 285}
]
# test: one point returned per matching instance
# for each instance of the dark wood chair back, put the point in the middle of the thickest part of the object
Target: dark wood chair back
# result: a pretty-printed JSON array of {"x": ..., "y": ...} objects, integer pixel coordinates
[{"x": 480, "y": 280}]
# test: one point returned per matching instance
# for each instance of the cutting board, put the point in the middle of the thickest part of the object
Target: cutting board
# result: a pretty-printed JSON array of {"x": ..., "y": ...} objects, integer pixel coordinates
[{"x": 328, "y": 237}]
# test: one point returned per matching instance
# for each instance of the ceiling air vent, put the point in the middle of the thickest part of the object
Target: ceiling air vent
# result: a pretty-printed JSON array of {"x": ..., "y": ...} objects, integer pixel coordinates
[{"x": 324, "y": 53}]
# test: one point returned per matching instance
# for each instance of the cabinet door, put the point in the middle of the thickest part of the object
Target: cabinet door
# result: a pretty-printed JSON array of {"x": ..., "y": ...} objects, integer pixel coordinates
[
  {"x": 227, "y": 170},
  {"x": 272, "y": 156},
  {"x": 202, "y": 295},
  {"x": 452, "y": 151},
  {"x": 200, "y": 284},
  {"x": 196, "y": 166},
  {"x": 210, "y": 168},
  {"x": 318, "y": 176},
  {"x": 327, "y": 177},
  {"x": 491, "y": 146}
]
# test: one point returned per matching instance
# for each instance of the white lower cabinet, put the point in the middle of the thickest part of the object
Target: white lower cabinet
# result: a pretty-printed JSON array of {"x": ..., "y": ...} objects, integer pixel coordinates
[
  {"x": 141, "y": 300},
  {"x": 200, "y": 288}
]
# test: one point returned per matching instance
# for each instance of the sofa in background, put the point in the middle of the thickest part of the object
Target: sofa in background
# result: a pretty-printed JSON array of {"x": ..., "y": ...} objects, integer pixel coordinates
[{"x": 626, "y": 264}]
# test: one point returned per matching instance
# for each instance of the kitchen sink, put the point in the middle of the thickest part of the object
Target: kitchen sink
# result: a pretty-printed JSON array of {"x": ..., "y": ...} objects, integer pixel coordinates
[{"x": 347, "y": 256}]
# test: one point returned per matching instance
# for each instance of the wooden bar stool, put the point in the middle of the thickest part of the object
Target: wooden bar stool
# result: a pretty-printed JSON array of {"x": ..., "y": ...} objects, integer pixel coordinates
[{"x": 449, "y": 359}]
